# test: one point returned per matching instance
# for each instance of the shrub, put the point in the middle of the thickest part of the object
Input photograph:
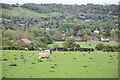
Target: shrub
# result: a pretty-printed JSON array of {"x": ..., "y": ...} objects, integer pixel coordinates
[
  {"x": 100, "y": 46},
  {"x": 111, "y": 48}
]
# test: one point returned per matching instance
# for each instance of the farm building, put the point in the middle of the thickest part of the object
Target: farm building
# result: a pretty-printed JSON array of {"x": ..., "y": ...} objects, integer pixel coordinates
[{"x": 24, "y": 41}]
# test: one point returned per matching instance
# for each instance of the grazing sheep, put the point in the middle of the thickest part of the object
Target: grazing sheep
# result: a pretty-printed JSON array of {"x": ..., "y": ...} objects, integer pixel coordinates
[
  {"x": 26, "y": 49},
  {"x": 45, "y": 55},
  {"x": 40, "y": 49}
]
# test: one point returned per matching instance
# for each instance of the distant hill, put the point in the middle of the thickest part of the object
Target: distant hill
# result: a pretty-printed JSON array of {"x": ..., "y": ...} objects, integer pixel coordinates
[
  {"x": 45, "y": 23},
  {"x": 57, "y": 15}
]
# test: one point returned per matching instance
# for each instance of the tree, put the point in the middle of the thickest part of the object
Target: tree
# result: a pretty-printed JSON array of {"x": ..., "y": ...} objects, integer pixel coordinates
[
  {"x": 99, "y": 35},
  {"x": 57, "y": 36},
  {"x": 11, "y": 43},
  {"x": 70, "y": 43},
  {"x": 48, "y": 39},
  {"x": 113, "y": 33},
  {"x": 16, "y": 35},
  {"x": 56, "y": 46},
  {"x": 51, "y": 32},
  {"x": 39, "y": 43}
]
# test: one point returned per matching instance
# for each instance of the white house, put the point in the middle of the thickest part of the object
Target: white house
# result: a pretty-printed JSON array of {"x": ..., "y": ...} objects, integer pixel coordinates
[
  {"x": 103, "y": 39},
  {"x": 96, "y": 31},
  {"x": 47, "y": 28}
]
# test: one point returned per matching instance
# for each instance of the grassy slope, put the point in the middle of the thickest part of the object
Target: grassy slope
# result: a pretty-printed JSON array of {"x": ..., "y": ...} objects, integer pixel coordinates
[
  {"x": 66, "y": 65},
  {"x": 86, "y": 44},
  {"x": 22, "y": 12}
]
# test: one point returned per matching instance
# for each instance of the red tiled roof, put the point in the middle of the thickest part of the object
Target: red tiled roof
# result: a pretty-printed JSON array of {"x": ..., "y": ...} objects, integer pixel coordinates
[{"x": 26, "y": 40}]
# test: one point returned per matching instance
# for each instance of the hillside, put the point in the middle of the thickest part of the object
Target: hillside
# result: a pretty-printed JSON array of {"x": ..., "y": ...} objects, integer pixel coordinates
[
  {"x": 45, "y": 23},
  {"x": 51, "y": 15}
]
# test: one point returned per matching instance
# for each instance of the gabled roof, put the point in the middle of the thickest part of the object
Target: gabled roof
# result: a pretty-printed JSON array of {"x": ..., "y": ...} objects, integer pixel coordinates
[{"x": 26, "y": 41}]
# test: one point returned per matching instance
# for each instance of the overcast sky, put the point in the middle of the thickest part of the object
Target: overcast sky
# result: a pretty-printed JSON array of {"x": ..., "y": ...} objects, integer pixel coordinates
[{"x": 61, "y": 1}]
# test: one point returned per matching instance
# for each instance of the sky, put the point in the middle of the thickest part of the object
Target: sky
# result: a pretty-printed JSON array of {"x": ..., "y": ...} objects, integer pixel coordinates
[{"x": 61, "y": 1}]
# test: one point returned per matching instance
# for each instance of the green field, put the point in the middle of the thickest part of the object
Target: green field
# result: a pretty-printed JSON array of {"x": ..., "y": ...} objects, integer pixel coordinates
[
  {"x": 22, "y": 12},
  {"x": 61, "y": 65}
]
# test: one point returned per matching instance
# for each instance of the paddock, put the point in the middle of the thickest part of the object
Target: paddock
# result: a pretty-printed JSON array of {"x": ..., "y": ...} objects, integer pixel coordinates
[{"x": 70, "y": 64}]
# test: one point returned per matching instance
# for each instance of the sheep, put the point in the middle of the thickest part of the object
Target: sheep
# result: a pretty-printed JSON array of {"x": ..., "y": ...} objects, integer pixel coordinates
[
  {"x": 40, "y": 49},
  {"x": 45, "y": 55},
  {"x": 26, "y": 49}
]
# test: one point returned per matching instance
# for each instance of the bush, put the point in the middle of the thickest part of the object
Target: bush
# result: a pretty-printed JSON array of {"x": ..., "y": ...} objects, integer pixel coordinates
[
  {"x": 100, "y": 46},
  {"x": 111, "y": 48}
]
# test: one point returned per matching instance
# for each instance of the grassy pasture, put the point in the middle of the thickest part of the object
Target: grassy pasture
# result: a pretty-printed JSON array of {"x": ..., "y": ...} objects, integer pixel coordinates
[
  {"x": 23, "y": 13},
  {"x": 61, "y": 65}
]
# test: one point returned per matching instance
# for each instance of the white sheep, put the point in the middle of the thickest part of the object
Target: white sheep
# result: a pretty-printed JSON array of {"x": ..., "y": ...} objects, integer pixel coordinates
[
  {"x": 45, "y": 55},
  {"x": 26, "y": 49}
]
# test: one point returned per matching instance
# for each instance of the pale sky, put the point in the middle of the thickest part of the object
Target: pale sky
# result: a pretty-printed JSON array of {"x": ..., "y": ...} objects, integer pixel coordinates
[{"x": 61, "y": 1}]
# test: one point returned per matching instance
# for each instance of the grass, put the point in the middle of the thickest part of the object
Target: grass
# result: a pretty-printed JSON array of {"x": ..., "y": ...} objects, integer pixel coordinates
[
  {"x": 54, "y": 14},
  {"x": 86, "y": 44},
  {"x": 23, "y": 13},
  {"x": 65, "y": 64}
]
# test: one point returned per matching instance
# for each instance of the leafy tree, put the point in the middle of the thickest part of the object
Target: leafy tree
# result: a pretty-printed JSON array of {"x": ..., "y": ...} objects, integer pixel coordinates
[
  {"x": 39, "y": 43},
  {"x": 37, "y": 32},
  {"x": 51, "y": 32},
  {"x": 11, "y": 43},
  {"x": 57, "y": 36},
  {"x": 99, "y": 35},
  {"x": 70, "y": 43},
  {"x": 17, "y": 35},
  {"x": 48, "y": 39},
  {"x": 56, "y": 46},
  {"x": 68, "y": 26},
  {"x": 113, "y": 33}
]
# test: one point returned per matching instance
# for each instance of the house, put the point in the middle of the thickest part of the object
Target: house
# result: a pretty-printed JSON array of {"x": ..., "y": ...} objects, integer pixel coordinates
[
  {"x": 47, "y": 28},
  {"x": 24, "y": 41},
  {"x": 96, "y": 31},
  {"x": 104, "y": 39}
]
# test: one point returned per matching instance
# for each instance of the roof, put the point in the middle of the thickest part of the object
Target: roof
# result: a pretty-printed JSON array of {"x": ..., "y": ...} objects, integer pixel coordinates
[{"x": 26, "y": 40}]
